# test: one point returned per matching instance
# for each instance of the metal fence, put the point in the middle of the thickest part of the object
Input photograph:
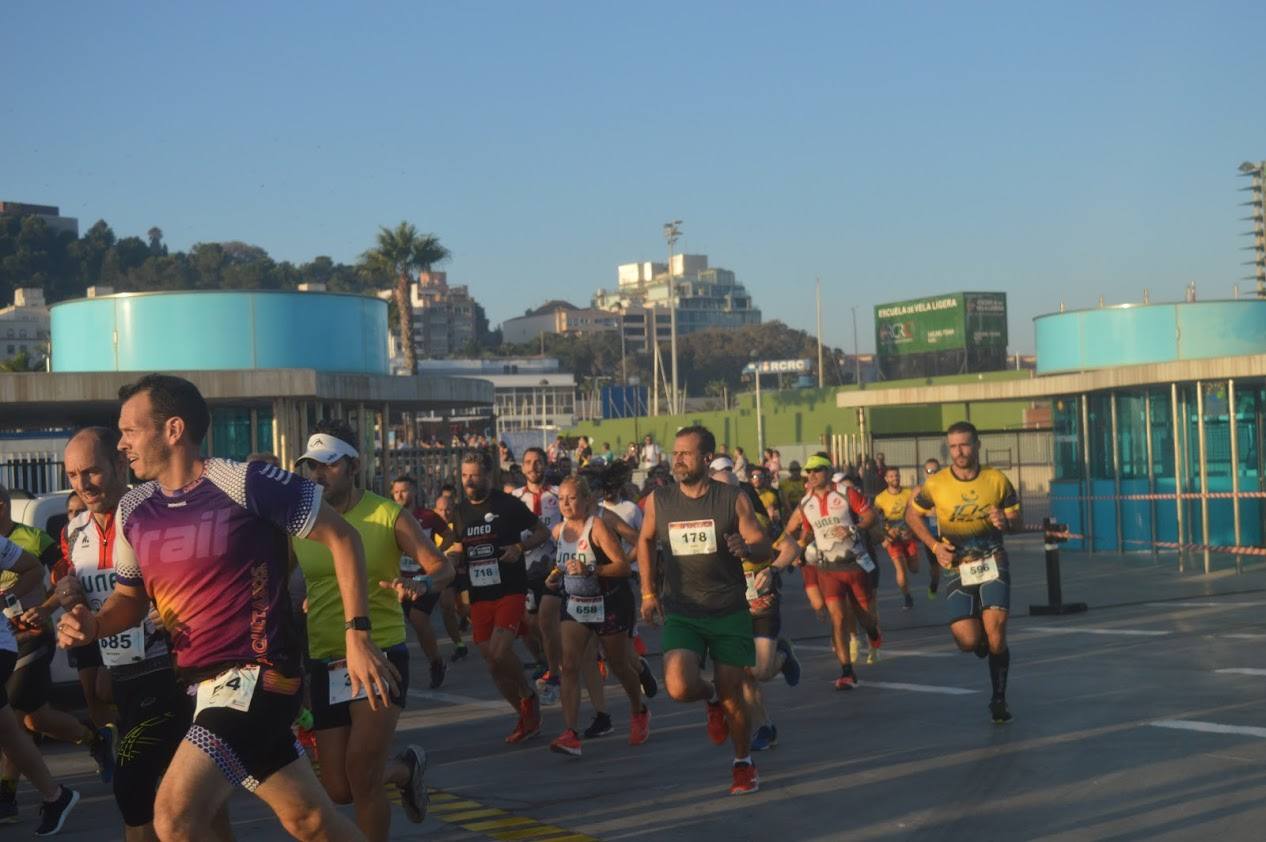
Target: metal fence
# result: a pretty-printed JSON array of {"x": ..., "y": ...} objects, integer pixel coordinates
[{"x": 36, "y": 473}]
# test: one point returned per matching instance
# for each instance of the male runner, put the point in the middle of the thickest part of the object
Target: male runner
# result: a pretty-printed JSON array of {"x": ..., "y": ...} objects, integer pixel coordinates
[
  {"x": 705, "y": 528},
  {"x": 206, "y": 539},
  {"x": 975, "y": 505},
  {"x": 543, "y": 606},
  {"x": 489, "y": 525},
  {"x": 768, "y": 496},
  {"x": 899, "y": 541},
  {"x": 456, "y": 597},
  {"x": 839, "y": 567},
  {"x": 353, "y": 739},
  {"x": 58, "y": 801},
  {"x": 154, "y": 710},
  {"x": 404, "y": 491}
]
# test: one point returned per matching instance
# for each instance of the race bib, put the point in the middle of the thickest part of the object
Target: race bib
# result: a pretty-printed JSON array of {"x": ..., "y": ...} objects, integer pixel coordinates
[
  {"x": 125, "y": 648},
  {"x": 484, "y": 574},
  {"x": 586, "y": 609},
  {"x": 692, "y": 537},
  {"x": 978, "y": 571},
  {"x": 230, "y": 689},
  {"x": 341, "y": 684},
  {"x": 865, "y": 563}
]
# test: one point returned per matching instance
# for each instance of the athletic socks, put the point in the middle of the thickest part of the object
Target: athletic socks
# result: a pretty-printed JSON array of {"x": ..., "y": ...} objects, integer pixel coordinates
[
  {"x": 999, "y": 666},
  {"x": 741, "y": 761},
  {"x": 714, "y": 699},
  {"x": 982, "y": 649},
  {"x": 846, "y": 669}
]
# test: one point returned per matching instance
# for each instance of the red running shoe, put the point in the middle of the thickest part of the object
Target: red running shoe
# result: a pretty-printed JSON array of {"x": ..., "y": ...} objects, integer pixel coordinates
[
  {"x": 640, "y": 727},
  {"x": 531, "y": 709},
  {"x": 718, "y": 727},
  {"x": 745, "y": 779},
  {"x": 639, "y": 646},
  {"x": 846, "y": 682},
  {"x": 567, "y": 743}
]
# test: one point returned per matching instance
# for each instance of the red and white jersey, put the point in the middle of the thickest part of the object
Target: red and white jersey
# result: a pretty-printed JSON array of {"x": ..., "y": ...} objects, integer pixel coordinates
[
  {"x": 88, "y": 550},
  {"x": 833, "y": 519},
  {"x": 543, "y": 504}
]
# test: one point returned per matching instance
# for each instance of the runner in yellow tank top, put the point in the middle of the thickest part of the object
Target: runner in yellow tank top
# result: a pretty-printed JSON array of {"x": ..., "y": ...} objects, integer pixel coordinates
[
  {"x": 974, "y": 506},
  {"x": 341, "y": 721}
]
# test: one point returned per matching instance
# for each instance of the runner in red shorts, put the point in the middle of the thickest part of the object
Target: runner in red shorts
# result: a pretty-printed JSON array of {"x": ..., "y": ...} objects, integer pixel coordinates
[
  {"x": 838, "y": 565},
  {"x": 489, "y": 524}
]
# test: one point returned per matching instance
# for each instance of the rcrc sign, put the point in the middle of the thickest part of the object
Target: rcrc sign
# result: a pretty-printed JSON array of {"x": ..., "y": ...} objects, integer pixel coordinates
[{"x": 780, "y": 367}]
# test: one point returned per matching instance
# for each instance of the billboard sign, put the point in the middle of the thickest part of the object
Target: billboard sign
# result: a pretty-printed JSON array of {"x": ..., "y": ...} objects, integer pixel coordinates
[
  {"x": 921, "y": 325},
  {"x": 986, "y": 319},
  {"x": 780, "y": 367}
]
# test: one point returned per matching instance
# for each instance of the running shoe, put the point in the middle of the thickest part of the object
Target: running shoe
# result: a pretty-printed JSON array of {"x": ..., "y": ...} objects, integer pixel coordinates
[
  {"x": 854, "y": 650},
  {"x": 566, "y": 743},
  {"x": 602, "y": 667},
  {"x": 999, "y": 711},
  {"x": 765, "y": 738},
  {"x": 872, "y": 655},
  {"x": 102, "y": 751},
  {"x": 548, "y": 688},
  {"x": 413, "y": 794},
  {"x": 600, "y": 727},
  {"x": 745, "y": 779},
  {"x": 639, "y": 645},
  {"x": 541, "y": 672},
  {"x": 640, "y": 727},
  {"x": 876, "y": 642},
  {"x": 53, "y": 813},
  {"x": 790, "y": 664},
  {"x": 718, "y": 727},
  {"x": 846, "y": 682},
  {"x": 529, "y": 720},
  {"x": 649, "y": 685},
  {"x": 907, "y": 601},
  {"x": 438, "y": 670},
  {"x": 459, "y": 651}
]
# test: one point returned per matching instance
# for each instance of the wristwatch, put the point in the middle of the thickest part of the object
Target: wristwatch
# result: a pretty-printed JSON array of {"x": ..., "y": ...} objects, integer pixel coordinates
[{"x": 357, "y": 624}]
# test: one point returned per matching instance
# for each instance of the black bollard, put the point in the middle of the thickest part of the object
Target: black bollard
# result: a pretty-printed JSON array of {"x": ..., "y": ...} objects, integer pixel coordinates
[{"x": 1053, "y": 536}]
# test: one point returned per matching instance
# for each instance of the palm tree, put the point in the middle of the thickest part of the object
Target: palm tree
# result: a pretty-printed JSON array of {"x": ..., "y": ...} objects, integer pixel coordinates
[{"x": 400, "y": 253}]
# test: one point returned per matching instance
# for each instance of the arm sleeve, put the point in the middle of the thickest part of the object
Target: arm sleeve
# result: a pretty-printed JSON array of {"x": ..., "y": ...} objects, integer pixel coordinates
[
  {"x": 9, "y": 553},
  {"x": 286, "y": 500}
]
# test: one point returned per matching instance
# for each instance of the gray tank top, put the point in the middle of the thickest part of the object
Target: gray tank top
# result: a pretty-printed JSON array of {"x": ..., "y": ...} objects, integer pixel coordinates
[{"x": 701, "y": 577}]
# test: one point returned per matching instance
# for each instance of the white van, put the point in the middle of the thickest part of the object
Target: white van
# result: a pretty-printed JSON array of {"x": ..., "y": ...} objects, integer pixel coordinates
[{"x": 46, "y": 512}]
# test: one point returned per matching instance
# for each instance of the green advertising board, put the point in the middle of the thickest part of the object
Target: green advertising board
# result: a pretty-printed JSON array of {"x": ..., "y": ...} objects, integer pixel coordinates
[
  {"x": 986, "y": 319},
  {"x": 922, "y": 325}
]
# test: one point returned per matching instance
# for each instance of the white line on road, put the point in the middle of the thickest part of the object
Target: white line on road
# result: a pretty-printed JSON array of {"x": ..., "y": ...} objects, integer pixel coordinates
[
  {"x": 1210, "y": 727},
  {"x": 451, "y": 699},
  {"x": 1241, "y": 671},
  {"x": 1084, "y": 630},
  {"x": 1244, "y": 636},
  {"x": 883, "y": 653},
  {"x": 1183, "y": 604},
  {"x": 917, "y": 688}
]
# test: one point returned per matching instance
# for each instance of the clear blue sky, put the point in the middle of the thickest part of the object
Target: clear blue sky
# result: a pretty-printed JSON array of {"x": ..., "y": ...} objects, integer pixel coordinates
[{"x": 1056, "y": 151}]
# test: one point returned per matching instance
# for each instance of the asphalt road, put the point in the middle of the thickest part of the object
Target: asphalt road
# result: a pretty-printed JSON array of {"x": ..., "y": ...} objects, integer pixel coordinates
[{"x": 1140, "y": 719}]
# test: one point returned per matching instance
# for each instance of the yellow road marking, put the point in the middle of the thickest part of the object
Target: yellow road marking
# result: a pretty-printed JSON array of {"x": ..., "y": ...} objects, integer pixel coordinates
[
  {"x": 455, "y": 806},
  {"x": 462, "y": 818},
  {"x": 527, "y": 833}
]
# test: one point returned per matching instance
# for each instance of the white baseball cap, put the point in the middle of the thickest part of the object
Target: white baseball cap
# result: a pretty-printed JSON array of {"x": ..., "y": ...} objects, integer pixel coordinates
[
  {"x": 328, "y": 449},
  {"x": 721, "y": 463}
]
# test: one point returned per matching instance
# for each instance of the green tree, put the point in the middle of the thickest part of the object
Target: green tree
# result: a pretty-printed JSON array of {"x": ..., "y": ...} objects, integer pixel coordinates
[{"x": 397, "y": 256}]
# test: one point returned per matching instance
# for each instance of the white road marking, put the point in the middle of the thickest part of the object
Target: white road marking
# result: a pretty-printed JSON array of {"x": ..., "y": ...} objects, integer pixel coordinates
[
  {"x": 883, "y": 653},
  {"x": 917, "y": 688},
  {"x": 1210, "y": 727},
  {"x": 1084, "y": 630},
  {"x": 1244, "y": 636},
  {"x": 1241, "y": 671},
  {"x": 451, "y": 699},
  {"x": 1184, "y": 604}
]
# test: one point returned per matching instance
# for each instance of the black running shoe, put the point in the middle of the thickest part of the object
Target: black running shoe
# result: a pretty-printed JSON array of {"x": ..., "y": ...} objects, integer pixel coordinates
[
  {"x": 102, "y": 751},
  {"x": 459, "y": 651},
  {"x": 53, "y": 813},
  {"x": 600, "y": 727},
  {"x": 649, "y": 685},
  {"x": 438, "y": 670},
  {"x": 907, "y": 602},
  {"x": 413, "y": 795},
  {"x": 998, "y": 710}
]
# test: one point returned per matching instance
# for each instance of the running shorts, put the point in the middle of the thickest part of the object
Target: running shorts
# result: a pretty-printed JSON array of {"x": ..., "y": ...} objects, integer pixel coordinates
[
  {"x": 844, "y": 580},
  {"x": 504, "y": 613},
  {"x": 619, "y": 614},
  {"x": 7, "y": 659},
  {"x": 425, "y": 604},
  {"x": 904, "y": 548},
  {"x": 767, "y": 625},
  {"x": 249, "y": 746},
  {"x": 84, "y": 657},
  {"x": 154, "y": 714},
  {"x": 727, "y": 638},
  {"x": 326, "y": 715},
  {"x": 29, "y": 685},
  {"x": 964, "y": 602}
]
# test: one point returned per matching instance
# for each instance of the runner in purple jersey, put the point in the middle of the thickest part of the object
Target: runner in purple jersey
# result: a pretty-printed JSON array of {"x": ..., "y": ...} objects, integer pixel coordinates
[{"x": 206, "y": 539}]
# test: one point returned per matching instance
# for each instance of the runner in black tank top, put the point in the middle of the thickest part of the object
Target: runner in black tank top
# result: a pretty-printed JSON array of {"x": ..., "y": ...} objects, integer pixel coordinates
[{"x": 705, "y": 528}]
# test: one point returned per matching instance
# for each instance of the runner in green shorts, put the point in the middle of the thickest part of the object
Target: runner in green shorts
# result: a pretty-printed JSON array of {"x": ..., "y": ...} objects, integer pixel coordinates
[{"x": 705, "y": 529}]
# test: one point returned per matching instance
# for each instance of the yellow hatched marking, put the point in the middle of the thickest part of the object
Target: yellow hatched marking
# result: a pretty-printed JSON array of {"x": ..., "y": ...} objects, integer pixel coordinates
[
  {"x": 440, "y": 796},
  {"x": 508, "y": 821},
  {"x": 455, "y": 806},
  {"x": 575, "y": 837}
]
